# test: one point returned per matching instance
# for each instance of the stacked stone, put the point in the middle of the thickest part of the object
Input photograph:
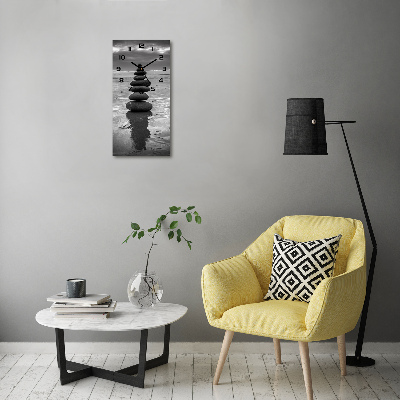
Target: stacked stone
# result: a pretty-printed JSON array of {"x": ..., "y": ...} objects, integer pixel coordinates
[{"x": 139, "y": 86}]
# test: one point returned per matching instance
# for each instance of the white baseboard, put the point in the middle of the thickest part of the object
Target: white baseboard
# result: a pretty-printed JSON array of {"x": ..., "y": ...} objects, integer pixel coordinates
[{"x": 192, "y": 347}]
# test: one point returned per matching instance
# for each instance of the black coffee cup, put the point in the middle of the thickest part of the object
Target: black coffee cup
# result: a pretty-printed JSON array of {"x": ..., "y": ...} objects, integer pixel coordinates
[{"x": 76, "y": 287}]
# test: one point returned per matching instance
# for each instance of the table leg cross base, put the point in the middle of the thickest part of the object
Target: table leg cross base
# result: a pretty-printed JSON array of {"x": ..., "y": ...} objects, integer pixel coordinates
[{"x": 133, "y": 375}]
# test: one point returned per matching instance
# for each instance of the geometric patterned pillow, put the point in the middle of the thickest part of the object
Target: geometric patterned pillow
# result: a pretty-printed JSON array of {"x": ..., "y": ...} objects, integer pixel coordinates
[{"x": 299, "y": 267}]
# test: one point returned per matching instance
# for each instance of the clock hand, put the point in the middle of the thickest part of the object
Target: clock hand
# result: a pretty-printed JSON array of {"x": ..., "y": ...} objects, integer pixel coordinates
[
  {"x": 133, "y": 63},
  {"x": 149, "y": 63}
]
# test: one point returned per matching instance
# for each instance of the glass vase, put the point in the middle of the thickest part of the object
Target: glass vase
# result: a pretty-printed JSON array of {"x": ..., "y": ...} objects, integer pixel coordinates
[{"x": 144, "y": 290}]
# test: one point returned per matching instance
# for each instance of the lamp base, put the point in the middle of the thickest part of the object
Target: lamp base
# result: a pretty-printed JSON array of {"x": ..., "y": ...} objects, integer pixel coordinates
[{"x": 359, "y": 361}]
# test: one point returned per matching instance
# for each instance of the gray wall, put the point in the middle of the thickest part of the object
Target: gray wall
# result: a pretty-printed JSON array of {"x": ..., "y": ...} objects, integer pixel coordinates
[{"x": 67, "y": 203}]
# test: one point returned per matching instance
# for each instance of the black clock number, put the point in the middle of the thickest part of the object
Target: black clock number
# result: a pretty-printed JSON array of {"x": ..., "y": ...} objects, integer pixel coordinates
[
  {"x": 118, "y": 69},
  {"x": 152, "y": 89},
  {"x": 121, "y": 57},
  {"x": 161, "y": 80},
  {"x": 164, "y": 69},
  {"x": 161, "y": 57},
  {"x": 141, "y": 45},
  {"x": 121, "y": 79}
]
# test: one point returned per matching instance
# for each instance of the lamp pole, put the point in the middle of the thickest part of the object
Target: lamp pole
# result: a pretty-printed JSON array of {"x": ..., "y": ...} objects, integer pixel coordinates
[{"x": 358, "y": 360}]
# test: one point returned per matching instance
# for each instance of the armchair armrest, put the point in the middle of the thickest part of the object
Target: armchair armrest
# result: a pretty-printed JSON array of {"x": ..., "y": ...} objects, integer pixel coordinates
[
  {"x": 336, "y": 305},
  {"x": 227, "y": 284}
]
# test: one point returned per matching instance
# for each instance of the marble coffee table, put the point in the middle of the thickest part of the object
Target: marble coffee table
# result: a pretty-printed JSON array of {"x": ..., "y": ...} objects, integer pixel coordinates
[{"x": 124, "y": 318}]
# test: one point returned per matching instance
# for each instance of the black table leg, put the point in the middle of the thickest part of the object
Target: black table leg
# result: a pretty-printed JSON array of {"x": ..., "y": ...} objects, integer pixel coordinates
[
  {"x": 133, "y": 375},
  {"x": 167, "y": 335},
  {"x": 80, "y": 370},
  {"x": 155, "y": 362}
]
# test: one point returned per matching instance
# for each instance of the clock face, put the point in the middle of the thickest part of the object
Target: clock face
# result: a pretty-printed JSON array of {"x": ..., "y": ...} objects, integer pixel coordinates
[{"x": 141, "y": 98}]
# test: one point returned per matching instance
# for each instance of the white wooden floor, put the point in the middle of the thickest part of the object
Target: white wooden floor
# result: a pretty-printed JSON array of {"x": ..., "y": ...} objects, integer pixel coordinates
[{"x": 189, "y": 376}]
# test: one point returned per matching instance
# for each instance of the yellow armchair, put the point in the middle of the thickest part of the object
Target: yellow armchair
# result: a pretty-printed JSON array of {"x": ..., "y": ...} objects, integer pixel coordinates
[{"x": 233, "y": 291}]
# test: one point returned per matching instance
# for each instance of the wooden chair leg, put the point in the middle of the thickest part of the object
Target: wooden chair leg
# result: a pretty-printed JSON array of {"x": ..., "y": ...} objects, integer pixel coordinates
[
  {"x": 277, "y": 347},
  {"x": 341, "y": 342},
  {"x": 305, "y": 362},
  {"x": 222, "y": 356}
]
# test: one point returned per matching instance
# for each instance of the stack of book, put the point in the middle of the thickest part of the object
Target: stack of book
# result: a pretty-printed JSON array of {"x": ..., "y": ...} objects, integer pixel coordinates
[{"x": 91, "y": 306}]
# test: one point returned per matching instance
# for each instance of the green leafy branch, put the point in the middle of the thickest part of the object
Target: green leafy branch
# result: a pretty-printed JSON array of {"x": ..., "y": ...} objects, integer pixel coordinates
[{"x": 173, "y": 229}]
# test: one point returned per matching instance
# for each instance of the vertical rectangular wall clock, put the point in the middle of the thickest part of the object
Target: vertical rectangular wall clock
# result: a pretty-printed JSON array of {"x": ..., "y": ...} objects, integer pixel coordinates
[{"x": 141, "y": 98}]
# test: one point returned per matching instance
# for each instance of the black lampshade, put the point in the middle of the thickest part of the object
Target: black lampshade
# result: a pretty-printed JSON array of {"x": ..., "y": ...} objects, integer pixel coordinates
[{"x": 305, "y": 127}]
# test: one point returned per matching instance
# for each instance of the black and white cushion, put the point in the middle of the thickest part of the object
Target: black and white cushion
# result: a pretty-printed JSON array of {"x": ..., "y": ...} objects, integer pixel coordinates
[{"x": 299, "y": 267}]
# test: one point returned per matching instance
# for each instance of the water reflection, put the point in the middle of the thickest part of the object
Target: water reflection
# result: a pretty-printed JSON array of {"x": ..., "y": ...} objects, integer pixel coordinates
[{"x": 139, "y": 126}]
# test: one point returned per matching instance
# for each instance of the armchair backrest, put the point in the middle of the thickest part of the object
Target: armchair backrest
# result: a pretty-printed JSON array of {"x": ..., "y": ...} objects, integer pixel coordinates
[{"x": 302, "y": 228}]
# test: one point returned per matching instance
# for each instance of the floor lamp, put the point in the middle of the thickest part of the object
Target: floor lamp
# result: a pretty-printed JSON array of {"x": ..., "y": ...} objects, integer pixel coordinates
[{"x": 305, "y": 135}]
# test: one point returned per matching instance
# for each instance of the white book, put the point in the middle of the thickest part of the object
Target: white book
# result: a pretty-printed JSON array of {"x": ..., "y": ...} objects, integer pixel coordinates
[
  {"x": 80, "y": 309},
  {"x": 88, "y": 299},
  {"x": 83, "y": 315},
  {"x": 106, "y": 304}
]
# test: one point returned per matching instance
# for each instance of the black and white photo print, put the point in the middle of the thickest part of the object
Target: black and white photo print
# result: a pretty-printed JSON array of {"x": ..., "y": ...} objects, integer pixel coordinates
[{"x": 141, "y": 98}]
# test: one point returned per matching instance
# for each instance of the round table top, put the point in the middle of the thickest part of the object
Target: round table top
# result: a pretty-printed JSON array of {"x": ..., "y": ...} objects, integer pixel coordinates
[{"x": 125, "y": 318}]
